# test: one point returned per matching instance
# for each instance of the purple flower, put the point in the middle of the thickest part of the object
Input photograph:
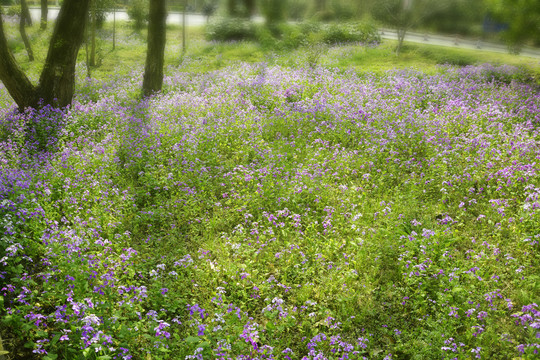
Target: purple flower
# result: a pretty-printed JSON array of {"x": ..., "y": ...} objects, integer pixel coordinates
[{"x": 202, "y": 327}]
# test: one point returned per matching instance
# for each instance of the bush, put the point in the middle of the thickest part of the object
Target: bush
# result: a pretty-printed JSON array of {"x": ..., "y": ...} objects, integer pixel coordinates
[
  {"x": 286, "y": 36},
  {"x": 231, "y": 29},
  {"x": 282, "y": 36},
  {"x": 138, "y": 13},
  {"x": 350, "y": 32}
]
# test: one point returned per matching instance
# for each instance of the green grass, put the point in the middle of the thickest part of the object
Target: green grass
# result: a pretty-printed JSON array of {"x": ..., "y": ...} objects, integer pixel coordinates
[{"x": 130, "y": 53}]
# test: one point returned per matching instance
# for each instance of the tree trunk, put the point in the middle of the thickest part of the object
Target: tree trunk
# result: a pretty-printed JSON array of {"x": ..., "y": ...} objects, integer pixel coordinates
[
  {"x": 86, "y": 53},
  {"x": 57, "y": 81},
  {"x": 93, "y": 35},
  {"x": 153, "y": 70},
  {"x": 27, "y": 16},
  {"x": 184, "y": 28},
  {"x": 249, "y": 6},
  {"x": 18, "y": 85},
  {"x": 56, "y": 84},
  {"x": 22, "y": 30},
  {"x": 44, "y": 13},
  {"x": 231, "y": 8},
  {"x": 401, "y": 36}
]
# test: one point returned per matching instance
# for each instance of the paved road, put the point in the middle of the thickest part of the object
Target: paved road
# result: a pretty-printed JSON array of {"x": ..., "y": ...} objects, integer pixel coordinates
[
  {"x": 458, "y": 42},
  {"x": 198, "y": 19}
]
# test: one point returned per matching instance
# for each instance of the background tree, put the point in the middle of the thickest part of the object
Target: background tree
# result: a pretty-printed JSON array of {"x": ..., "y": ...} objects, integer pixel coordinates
[
  {"x": 406, "y": 14},
  {"x": 522, "y": 17},
  {"x": 57, "y": 81},
  {"x": 209, "y": 8},
  {"x": 297, "y": 9},
  {"x": 27, "y": 16},
  {"x": 460, "y": 17},
  {"x": 22, "y": 30},
  {"x": 44, "y": 14},
  {"x": 274, "y": 11},
  {"x": 184, "y": 26},
  {"x": 97, "y": 15},
  {"x": 93, "y": 25},
  {"x": 241, "y": 8},
  {"x": 138, "y": 13},
  {"x": 153, "y": 69}
]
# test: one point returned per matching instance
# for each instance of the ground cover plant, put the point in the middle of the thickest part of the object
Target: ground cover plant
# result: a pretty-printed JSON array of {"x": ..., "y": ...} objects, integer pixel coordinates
[{"x": 263, "y": 211}]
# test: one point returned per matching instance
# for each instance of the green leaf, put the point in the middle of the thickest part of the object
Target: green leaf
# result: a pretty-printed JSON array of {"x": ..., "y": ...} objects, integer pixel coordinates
[
  {"x": 50, "y": 357},
  {"x": 192, "y": 339},
  {"x": 55, "y": 339}
]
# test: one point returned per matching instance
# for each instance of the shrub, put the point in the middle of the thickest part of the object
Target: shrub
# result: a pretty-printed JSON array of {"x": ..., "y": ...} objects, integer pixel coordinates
[
  {"x": 138, "y": 13},
  {"x": 230, "y": 30},
  {"x": 282, "y": 36},
  {"x": 350, "y": 32}
]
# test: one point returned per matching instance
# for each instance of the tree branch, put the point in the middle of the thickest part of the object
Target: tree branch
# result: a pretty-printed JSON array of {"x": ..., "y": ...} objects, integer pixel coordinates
[{"x": 15, "y": 80}]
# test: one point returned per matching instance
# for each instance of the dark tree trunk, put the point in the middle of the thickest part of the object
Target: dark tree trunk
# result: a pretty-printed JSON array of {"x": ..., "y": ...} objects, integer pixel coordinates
[
  {"x": 22, "y": 30},
  {"x": 44, "y": 13},
  {"x": 57, "y": 81},
  {"x": 153, "y": 70},
  {"x": 18, "y": 85},
  {"x": 249, "y": 6},
  {"x": 232, "y": 8},
  {"x": 27, "y": 16}
]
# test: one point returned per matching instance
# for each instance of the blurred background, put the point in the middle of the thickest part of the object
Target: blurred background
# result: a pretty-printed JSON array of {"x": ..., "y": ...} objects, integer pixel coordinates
[
  {"x": 515, "y": 22},
  {"x": 262, "y": 27}
]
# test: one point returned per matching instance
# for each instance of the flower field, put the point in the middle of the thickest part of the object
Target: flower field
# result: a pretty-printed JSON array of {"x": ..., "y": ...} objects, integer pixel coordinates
[{"x": 264, "y": 212}]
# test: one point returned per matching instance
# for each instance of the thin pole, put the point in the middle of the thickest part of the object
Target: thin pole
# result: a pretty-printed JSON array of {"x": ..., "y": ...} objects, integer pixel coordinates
[
  {"x": 184, "y": 28},
  {"x": 114, "y": 28}
]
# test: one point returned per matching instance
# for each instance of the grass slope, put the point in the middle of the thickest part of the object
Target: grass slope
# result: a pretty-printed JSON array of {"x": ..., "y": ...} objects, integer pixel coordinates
[{"x": 274, "y": 211}]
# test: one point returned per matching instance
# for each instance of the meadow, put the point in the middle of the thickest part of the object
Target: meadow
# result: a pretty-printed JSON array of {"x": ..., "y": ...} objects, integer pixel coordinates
[{"x": 264, "y": 206}]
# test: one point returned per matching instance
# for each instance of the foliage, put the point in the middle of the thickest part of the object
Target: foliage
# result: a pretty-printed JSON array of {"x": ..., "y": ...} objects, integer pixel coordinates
[
  {"x": 297, "y": 9},
  {"x": 461, "y": 17},
  {"x": 523, "y": 17},
  {"x": 360, "y": 32},
  {"x": 406, "y": 14},
  {"x": 209, "y": 8},
  {"x": 102, "y": 7},
  {"x": 138, "y": 13},
  {"x": 291, "y": 36},
  {"x": 240, "y": 8},
  {"x": 274, "y": 11},
  {"x": 228, "y": 29}
]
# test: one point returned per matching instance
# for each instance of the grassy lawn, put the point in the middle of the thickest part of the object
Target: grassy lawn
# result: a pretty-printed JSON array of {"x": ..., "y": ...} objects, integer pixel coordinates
[{"x": 266, "y": 206}]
